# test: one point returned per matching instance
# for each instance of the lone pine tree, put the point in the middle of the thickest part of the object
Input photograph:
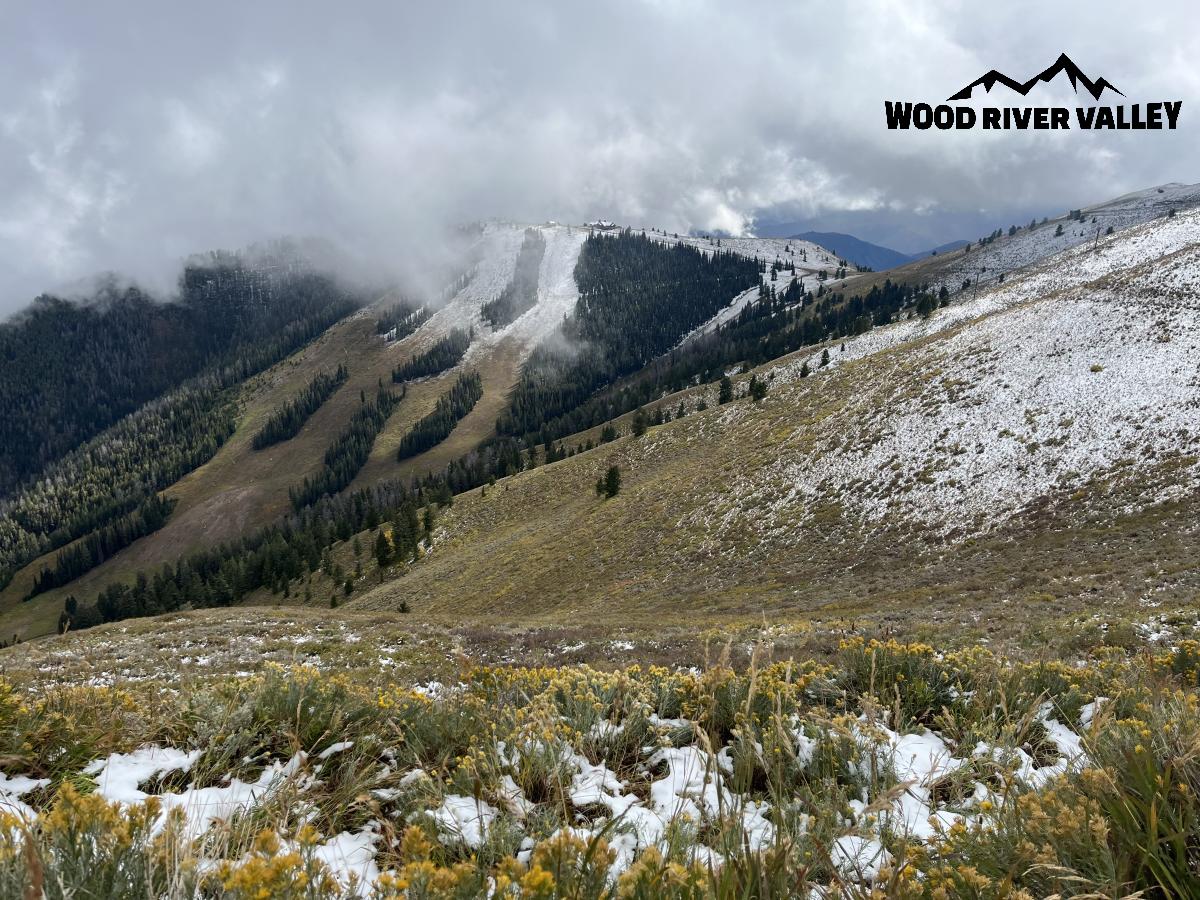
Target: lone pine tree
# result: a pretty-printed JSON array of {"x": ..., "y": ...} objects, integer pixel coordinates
[
  {"x": 726, "y": 390},
  {"x": 610, "y": 484}
]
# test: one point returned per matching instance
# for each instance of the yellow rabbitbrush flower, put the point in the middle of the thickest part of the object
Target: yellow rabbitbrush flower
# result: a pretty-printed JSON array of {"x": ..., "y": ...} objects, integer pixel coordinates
[{"x": 274, "y": 872}]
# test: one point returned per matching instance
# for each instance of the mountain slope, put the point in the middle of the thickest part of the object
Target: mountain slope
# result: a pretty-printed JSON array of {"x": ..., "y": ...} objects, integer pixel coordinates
[
  {"x": 995, "y": 257},
  {"x": 856, "y": 250},
  {"x": 240, "y": 489},
  {"x": 937, "y": 467},
  {"x": 72, "y": 369},
  {"x": 746, "y": 505}
]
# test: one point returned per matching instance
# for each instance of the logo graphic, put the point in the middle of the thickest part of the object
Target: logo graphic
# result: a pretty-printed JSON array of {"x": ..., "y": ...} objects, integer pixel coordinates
[
  {"x": 1062, "y": 64},
  {"x": 1157, "y": 115}
]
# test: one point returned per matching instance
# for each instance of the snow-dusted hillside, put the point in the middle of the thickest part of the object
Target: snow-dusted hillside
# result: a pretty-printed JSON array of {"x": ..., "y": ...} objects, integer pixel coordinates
[
  {"x": 987, "y": 262},
  {"x": 1087, "y": 367},
  {"x": 495, "y": 258},
  {"x": 812, "y": 262},
  {"x": 495, "y": 261}
]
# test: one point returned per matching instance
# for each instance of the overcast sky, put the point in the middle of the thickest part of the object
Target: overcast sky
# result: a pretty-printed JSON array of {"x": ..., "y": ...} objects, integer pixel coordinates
[{"x": 134, "y": 133}]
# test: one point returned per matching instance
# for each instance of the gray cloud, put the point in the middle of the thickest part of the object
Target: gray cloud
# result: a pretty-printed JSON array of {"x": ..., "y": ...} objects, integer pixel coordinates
[{"x": 133, "y": 134}]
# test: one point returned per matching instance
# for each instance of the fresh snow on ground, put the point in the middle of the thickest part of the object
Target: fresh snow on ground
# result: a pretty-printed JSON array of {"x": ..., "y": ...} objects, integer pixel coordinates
[
  {"x": 682, "y": 782},
  {"x": 120, "y": 776},
  {"x": 1086, "y": 364},
  {"x": 464, "y": 819},
  {"x": 496, "y": 255},
  {"x": 556, "y": 296},
  {"x": 1006, "y": 254},
  {"x": 351, "y": 860},
  {"x": 11, "y": 791}
]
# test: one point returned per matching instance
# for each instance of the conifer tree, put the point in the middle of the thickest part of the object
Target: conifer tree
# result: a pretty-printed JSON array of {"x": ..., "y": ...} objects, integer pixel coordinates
[
  {"x": 612, "y": 481},
  {"x": 640, "y": 423},
  {"x": 725, "y": 393}
]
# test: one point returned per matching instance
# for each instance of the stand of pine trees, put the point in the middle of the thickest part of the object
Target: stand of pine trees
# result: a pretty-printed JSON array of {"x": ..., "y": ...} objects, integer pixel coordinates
[
  {"x": 270, "y": 558},
  {"x": 285, "y": 422},
  {"x": 72, "y": 369},
  {"x": 349, "y": 452},
  {"x": 401, "y": 319},
  {"x": 780, "y": 322},
  {"x": 443, "y": 355},
  {"x": 521, "y": 293},
  {"x": 451, "y": 407},
  {"x": 98, "y": 546},
  {"x": 109, "y": 475},
  {"x": 637, "y": 299}
]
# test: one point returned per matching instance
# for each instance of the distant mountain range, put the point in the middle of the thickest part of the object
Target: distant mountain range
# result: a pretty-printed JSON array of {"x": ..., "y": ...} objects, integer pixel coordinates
[{"x": 864, "y": 253}]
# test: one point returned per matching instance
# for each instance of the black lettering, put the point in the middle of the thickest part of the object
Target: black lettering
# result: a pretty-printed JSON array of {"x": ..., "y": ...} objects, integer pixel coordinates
[
  {"x": 1059, "y": 117},
  {"x": 1173, "y": 112},
  {"x": 991, "y": 117},
  {"x": 898, "y": 114},
  {"x": 922, "y": 115},
  {"x": 1086, "y": 116}
]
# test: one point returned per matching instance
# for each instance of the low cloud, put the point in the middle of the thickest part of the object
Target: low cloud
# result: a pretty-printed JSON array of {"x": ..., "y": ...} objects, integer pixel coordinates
[{"x": 130, "y": 141}]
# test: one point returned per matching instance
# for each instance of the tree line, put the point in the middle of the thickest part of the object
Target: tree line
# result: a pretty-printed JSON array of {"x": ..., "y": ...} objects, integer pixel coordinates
[
  {"x": 110, "y": 474},
  {"x": 401, "y": 319},
  {"x": 72, "y": 369},
  {"x": 450, "y": 409},
  {"x": 520, "y": 294},
  {"x": 637, "y": 299},
  {"x": 443, "y": 355},
  {"x": 95, "y": 548},
  {"x": 272, "y": 557},
  {"x": 286, "y": 421},
  {"x": 349, "y": 451}
]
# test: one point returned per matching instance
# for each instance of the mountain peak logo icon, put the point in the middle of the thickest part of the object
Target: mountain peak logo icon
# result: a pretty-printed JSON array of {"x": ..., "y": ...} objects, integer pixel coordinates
[{"x": 1060, "y": 65}]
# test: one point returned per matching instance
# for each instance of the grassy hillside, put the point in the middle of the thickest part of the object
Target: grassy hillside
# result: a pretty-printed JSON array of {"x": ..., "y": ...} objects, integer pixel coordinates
[
  {"x": 918, "y": 623},
  {"x": 240, "y": 488},
  {"x": 942, "y": 468},
  {"x": 1007, "y": 253}
]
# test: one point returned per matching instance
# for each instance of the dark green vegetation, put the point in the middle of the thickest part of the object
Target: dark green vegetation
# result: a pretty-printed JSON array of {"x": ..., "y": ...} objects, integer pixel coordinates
[
  {"x": 70, "y": 370},
  {"x": 401, "y": 319},
  {"x": 275, "y": 556},
  {"x": 559, "y": 396},
  {"x": 450, "y": 409},
  {"x": 157, "y": 444},
  {"x": 289, "y": 419},
  {"x": 111, "y": 474},
  {"x": 72, "y": 561},
  {"x": 521, "y": 293},
  {"x": 349, "y": 451},
  {"x": 443, "y": 355},
  {"x": 637, "y": 298},
  {"x": 610, "y": 484}
]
